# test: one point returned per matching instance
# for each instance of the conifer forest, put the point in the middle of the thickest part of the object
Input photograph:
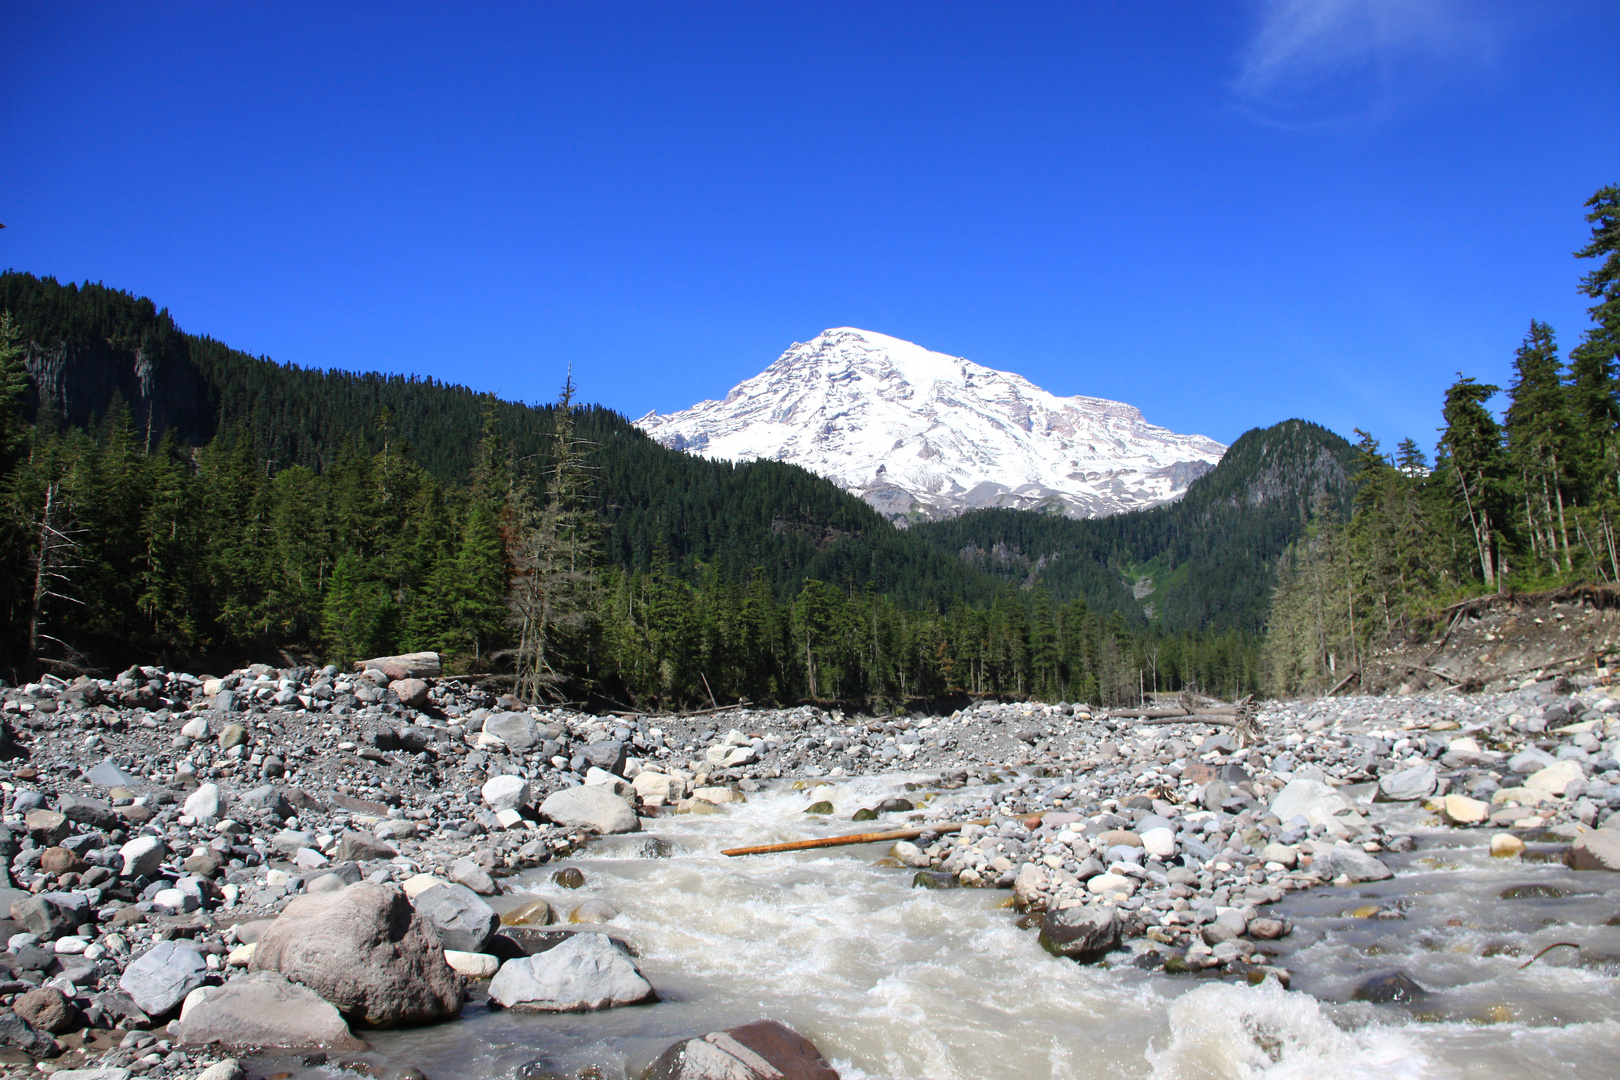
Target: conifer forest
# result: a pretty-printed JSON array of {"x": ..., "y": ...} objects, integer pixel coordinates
[{"x": 165, "y": 498}]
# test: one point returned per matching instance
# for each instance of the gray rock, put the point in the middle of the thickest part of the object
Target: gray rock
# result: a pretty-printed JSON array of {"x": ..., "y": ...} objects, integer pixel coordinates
[
  {"x": 1418, "y": 782},
  {"x": 608, "y": 755},
  {"x": 466, "y": 871},
  {"x": 143, "y": 855},
  {"x": 162, "y": 977},
  {"x": 516, "y": 730},
  {"x": 763, "y": 1050},
  {"x": 462, "y": 921},
  {"x": 264, "y": 1009},
  {"x": 16, "y": 1031},
  {"x": 52, "y": 914},
  {"x": 360, "y": 847},
  {"x": 268, "y": 798},
  {"x": 1357, "y": 865},
  {"x": 1083, "y": 933},
  {"x": 367, "y": 952},
  {"x": 1596, "y": 850},
  {"x": 91, "y": 812},
  {"x": 583, "y": 974},
  {"x": 591, "y": 807}
]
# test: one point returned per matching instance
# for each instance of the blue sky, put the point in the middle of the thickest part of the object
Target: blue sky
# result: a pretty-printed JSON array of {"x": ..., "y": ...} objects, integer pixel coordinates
[{"x": 1225, "y": 213}]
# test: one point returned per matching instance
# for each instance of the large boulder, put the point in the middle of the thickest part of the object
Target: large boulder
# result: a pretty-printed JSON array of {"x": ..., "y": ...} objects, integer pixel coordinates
[
  {"x": 1349, "y": 861},
  {"x": 1312, "y": 800},
  {"x": 591, "y": 807},
  {"x": 1556, "y": 777},
  {"x": 515, "y": 729},
  {"x": 609, "y": 755},
  {"x": 1408, "y": 785},
  {"x": 365, "y": 950},
  {"x": 461, "y": 920},
  {"x": 1083, "y": 932},
  {"x": 264, "y": 1009},
  {"x": 763, "y": 1050},
  {"x": 92, "y": 812},
  {"x": 1596, "y": 850},
  {"x": 585, "y": 973},
  {"x": 52, "y": 914},
  {"x": 416, "y": 665},
  {"x": 162, "y": 977},
  {"x": 48, "y": 1009}
]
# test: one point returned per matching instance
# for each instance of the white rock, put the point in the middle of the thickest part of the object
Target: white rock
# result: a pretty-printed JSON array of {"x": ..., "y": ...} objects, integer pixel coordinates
[
  {"x": 1554, "y": 779},
  {"x": 1159, "y": 841},
  {"x": 204, "y": 804},
  {"x": 419, "y": 884},
  {"x": 474, "y": 965},
  {"x": 1107, "y": 883},
  {"x": 506, "y": 793},
  {"x": 143, "y": 855}
]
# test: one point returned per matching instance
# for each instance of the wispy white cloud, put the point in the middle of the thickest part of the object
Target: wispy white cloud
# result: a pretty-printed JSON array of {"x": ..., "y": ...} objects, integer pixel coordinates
[{"x": 1331, "y": 61}]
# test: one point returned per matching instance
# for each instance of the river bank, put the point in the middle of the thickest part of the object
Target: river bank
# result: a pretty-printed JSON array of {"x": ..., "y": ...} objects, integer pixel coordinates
[{"x": 1175, "y": 862}]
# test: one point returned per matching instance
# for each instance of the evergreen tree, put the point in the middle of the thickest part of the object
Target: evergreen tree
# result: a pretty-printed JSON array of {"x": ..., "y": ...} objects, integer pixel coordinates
[{"x": 553, "y": 560}]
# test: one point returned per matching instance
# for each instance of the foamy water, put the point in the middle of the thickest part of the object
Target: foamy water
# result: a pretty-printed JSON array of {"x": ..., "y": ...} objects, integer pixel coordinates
[{"x": 895, "y": 982}]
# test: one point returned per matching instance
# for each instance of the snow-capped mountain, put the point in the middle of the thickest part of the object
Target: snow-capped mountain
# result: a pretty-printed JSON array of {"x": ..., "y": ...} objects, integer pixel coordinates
[{"x": 922, "y": 435}]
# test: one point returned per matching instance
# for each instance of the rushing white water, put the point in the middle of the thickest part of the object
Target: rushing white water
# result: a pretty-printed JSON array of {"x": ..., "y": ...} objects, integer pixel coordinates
[{"x": 892, "y": 981}]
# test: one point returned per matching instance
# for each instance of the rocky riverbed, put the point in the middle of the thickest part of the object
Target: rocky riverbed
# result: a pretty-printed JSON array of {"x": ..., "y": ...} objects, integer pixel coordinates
[{"x": 199, "y": 867}]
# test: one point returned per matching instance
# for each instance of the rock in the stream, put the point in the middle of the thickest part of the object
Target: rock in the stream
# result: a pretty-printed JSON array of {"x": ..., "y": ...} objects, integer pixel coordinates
[
  {"x": 583, "y": 974},
  {"x": 1596, "y": 850},
  {"x": 593, "y": 808},
  {"x": 264, "y": 1009},
  {"x": 536, "y": 912},
  {"x": 763, "y": 1050},
  {"x": 461, "y": 920},
  {"x": 160, "y": 980},
  {"x": 366, "y": 951},
  {"x": 1461, "y": 810},
  {"x": 1389, "y": 987},
  {"x": 1349, "y": 861},
  {"x": 1084, "y": 932}
]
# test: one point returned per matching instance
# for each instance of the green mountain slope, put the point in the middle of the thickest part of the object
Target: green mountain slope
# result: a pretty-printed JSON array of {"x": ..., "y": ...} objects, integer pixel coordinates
[
  {"x": 89, "y": 344},
  {"x": 1206, "y": 562}
]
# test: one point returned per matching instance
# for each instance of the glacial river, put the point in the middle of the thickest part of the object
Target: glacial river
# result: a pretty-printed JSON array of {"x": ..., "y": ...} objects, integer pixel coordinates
[{"x": 895, "y": 982}]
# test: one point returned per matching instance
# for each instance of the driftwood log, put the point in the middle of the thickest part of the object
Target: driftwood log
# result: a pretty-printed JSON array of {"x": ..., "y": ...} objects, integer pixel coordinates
[{"x": 854, "y": 838}]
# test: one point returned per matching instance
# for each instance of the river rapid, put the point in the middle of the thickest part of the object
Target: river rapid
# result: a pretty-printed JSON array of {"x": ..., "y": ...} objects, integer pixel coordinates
[{"x": 899, "y": 982}]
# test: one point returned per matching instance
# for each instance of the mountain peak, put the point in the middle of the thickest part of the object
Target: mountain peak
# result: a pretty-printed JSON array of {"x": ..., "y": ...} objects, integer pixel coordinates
[{"x": 922, "y": 434}]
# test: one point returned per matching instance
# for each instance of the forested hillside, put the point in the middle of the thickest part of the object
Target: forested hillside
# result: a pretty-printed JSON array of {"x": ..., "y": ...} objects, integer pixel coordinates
[
  {"x": 1205, "y": 563},
  {"x": 1525, "y": 502},
  {"x": 165, "y": 497}
]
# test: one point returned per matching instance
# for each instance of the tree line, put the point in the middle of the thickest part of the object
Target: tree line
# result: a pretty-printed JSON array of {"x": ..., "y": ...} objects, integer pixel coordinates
[
  {"x": 543, "y": 564},
  {"x": 1526, "y": 500}
]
